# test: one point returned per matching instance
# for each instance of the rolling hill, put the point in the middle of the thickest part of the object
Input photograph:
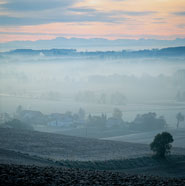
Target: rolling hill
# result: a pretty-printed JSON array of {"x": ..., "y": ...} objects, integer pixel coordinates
[
  {"x": 58, "y": 147},
  {"x": 39, "y": 156},
  {"x": 147, "y": 137}
]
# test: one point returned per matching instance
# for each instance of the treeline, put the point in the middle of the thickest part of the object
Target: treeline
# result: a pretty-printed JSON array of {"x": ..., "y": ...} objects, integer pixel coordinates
[
  {"x": 115, "y": 98},
  {"x": 171, "y": 51},
  {"x": 142, "y": 122}
]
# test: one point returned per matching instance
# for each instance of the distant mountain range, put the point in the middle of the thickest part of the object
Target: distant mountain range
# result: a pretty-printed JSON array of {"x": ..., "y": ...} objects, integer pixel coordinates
[
  {"x": 93, "y": 44},
  {"x": 164, "y": 52}
]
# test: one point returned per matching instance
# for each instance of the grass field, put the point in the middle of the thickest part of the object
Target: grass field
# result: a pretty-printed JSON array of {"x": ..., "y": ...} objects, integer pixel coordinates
[
  {"x": 147, "y": 137},
  {"x": 58, "y": 147}
]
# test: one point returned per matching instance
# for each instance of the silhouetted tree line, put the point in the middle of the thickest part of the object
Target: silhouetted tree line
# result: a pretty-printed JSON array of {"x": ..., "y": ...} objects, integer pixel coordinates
[
  {"x": 171, "y": 51},
  {"x": 147, "y": 122},
  {"x": 116, "y": 98},
  {"x": 142, "y": 122}
]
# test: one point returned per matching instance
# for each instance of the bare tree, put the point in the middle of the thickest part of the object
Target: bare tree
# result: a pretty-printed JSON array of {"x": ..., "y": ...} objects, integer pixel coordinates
[{"x": 179, "y": 118}]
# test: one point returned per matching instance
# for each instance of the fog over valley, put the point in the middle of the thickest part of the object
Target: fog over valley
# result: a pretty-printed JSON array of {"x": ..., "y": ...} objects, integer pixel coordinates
[{"x": 57, "y": 84}]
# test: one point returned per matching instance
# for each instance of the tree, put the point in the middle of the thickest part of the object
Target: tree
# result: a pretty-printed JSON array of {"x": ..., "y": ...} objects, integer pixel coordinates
[
  {"x": 179, "y": 118},
  {"x": 97, "y": 121},
  {"x": 161, "y": 144},
  {"x": 117, "y": 114},
  {"x": 102, "y": 99},
  {"x": 148, "y": 122},
  {"x": 81, "y": 114},
  {"x": 19, "y": 109}
]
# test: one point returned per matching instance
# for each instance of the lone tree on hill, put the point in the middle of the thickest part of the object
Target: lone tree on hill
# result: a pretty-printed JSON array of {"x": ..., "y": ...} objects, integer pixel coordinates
[
  {"x": 161, "y": 144},
  {"x": 179, "y": 118}
]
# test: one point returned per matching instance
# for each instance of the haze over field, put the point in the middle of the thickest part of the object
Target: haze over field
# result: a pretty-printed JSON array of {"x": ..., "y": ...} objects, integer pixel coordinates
[{"x": 66, "y": 83}]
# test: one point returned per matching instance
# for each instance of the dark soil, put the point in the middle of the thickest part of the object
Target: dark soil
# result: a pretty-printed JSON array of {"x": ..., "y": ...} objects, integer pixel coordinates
[{"x": 18, "y": 175}]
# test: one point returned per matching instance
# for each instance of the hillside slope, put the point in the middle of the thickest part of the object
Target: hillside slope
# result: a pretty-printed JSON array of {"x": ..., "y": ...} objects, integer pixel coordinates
[
  {"x": 18, "y": 158},
  {"x": 58, "y": 147},
  {"x": 172, "y": 166},
  {"x": 147, "y": 137}
]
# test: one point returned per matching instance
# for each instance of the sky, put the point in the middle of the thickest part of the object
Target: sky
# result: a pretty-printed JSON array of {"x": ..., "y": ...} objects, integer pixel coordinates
[{"x": 111, "y": 19}]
